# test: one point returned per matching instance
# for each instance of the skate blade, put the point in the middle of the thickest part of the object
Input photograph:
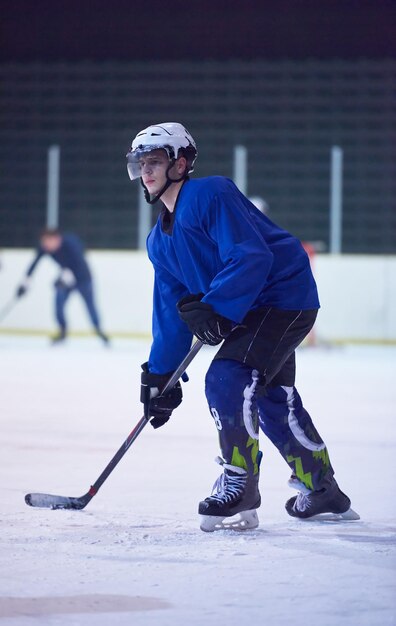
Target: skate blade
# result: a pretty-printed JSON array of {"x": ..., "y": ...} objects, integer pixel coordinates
[
  {"x": 246, "y": 520},
  {"x": 349, "y": 516}
]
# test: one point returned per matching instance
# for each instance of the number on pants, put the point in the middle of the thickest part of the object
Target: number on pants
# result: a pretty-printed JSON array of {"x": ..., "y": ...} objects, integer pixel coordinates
[{"x": 216, "y": 418}]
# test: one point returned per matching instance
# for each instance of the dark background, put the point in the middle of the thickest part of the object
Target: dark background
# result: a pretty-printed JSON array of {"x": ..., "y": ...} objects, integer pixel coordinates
[
  {"x": 127, "y": 30},
  {"x": 286, "y": 79}
]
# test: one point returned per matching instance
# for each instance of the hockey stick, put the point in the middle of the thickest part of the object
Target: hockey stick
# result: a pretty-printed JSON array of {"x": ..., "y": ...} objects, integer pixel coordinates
[
  {"x": 48, "y": 501},
  {"x": 7, "y": 308}
]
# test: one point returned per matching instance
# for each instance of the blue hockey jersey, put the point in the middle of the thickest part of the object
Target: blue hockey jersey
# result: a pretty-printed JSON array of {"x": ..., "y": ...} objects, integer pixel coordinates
[{"x": 218, "y": 243}]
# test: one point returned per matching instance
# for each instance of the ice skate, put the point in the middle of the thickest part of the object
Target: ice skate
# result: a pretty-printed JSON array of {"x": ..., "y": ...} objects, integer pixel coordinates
[
  {"x": 233, "y": 503},
  {"x": 59, "y": 338},
  {"x": 103, "y": 337},
  {"x": 328, "y": 503}
]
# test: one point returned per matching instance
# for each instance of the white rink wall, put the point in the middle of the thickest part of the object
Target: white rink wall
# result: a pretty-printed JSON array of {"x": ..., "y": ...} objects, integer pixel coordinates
[
  {"x": 123, "y": 286},
  {"x": 357, "y": 293},
  {"x": 358, "y": 298}
]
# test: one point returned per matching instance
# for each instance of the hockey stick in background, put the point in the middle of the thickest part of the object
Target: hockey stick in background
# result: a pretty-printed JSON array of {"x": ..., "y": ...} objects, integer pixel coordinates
[
  {"x": 7, "y": 308},
  {"x": 48, "y": 501}
]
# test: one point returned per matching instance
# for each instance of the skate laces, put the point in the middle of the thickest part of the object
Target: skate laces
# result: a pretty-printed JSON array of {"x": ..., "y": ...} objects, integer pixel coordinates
[
  {"x": 228, "y": 487},
  {"x": 302, "y": 502}
]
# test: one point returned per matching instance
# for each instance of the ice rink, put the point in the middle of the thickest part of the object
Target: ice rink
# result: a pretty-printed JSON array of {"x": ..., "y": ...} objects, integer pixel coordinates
[{"x": 135, "y": 555}]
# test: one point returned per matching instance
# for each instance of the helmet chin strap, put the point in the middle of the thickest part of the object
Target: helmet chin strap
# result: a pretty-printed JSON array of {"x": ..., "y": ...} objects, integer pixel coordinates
[{"x": 168, "y": 183}]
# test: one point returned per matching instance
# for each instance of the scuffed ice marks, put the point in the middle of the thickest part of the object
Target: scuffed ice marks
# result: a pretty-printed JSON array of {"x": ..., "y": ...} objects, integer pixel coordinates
[
  {"x": 139, "y": 537},
  {"x": 45, "y": 606},
  {"x": 125, "y": 535}
]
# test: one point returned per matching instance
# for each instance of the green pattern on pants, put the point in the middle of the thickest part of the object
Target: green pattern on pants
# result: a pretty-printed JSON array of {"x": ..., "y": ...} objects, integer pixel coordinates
[
  {"x": 306, "y": 477},
  {"x": 322, "y": 455},
  {"x": 240, "y": 461}
]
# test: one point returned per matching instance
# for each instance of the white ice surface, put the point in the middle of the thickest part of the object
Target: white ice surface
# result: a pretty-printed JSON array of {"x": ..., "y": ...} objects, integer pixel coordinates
[{"x": 135, "y": 555}]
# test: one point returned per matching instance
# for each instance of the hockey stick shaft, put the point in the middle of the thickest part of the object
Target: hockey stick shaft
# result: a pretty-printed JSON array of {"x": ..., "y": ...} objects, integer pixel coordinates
[
  {"x": 7, "y": 308},
  {"x": 62, "y": 502},
  {"x": 143, "y": 421}
]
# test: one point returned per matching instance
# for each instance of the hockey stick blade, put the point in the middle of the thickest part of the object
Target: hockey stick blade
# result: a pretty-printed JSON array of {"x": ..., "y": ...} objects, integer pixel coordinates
[{"x": 49, "y": 501}]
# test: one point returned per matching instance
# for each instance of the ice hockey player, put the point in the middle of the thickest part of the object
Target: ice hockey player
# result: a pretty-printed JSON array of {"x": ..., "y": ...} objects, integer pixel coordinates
[
  {"x": 75, "y": 276},
  {"x": 227, "y": 274}
]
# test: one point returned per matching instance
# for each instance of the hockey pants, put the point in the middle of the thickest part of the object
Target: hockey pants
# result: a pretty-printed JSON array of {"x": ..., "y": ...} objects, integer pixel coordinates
[{"x": 239, "y": 406}]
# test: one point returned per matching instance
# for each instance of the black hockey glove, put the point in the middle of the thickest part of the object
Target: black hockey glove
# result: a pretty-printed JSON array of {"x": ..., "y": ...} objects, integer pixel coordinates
[
  {"x": 157, "y": 407},
  {"x": 22, "y": 289},
  {"x": 210, "y": 327}
]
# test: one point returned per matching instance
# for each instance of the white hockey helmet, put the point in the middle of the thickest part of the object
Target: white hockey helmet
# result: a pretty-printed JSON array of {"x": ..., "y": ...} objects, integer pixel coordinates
[{"x": 169, "y": 136}]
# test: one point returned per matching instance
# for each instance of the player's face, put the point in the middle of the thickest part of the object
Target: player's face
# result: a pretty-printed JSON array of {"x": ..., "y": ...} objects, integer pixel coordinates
[
  {"x": 51, "y": 243},
  {"x": 153, "y": 166}
]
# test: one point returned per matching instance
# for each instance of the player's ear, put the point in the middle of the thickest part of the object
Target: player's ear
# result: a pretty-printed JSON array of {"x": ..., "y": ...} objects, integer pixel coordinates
[{"x": 181, "y": 165}]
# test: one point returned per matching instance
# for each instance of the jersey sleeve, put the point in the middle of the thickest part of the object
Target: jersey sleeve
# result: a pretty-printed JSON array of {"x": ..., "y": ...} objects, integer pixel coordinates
[
  {"x": 33, "y": 265},
  {"x": 245, "y": 256},
  {"x": 74, "y": 243},
  {"x": 171, "y": 337}
]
